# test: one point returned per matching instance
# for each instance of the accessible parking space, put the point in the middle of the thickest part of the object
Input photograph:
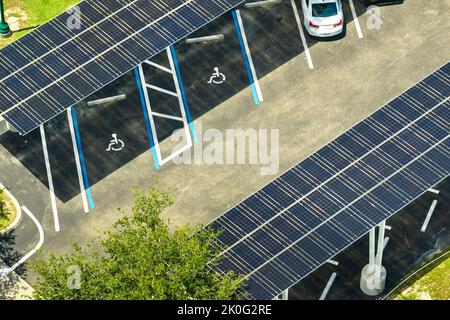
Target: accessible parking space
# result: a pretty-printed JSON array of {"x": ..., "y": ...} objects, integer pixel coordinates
[
  {"x": 112, "y": 134},
  {"x": 206, "y": 86}
]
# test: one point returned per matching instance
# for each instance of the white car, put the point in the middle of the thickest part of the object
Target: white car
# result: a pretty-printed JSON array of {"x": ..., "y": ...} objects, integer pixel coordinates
[{"x": 323, "y": 18}]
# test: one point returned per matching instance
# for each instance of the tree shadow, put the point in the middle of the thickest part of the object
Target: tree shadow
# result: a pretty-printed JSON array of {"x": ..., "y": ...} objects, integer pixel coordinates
[
  {"x": 25, "y": 29},
  {"x": 8, "y": 256}
]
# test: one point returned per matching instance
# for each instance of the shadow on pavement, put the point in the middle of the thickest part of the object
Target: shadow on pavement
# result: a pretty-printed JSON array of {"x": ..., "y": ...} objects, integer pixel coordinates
[{"x": 9, "y": 256}]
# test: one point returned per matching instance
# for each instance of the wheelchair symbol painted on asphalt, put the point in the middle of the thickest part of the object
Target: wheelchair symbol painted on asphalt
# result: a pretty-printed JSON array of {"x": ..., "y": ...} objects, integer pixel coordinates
[
  {"x": 217, "y": 77},
  {"x": 115, "y": 144}
]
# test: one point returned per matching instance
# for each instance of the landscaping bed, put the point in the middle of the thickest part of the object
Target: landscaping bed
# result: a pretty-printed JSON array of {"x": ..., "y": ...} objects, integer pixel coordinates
[
  {"x": 25, "y": 15},
  {"x": 7, "y": 210},
  {"x": 431, "y": 283}
]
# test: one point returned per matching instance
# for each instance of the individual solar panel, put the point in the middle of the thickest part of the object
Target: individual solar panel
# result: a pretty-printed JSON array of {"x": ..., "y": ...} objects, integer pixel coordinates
[
  {"x": 54, "y": 67},
  {"x": 310, "y": 213}
]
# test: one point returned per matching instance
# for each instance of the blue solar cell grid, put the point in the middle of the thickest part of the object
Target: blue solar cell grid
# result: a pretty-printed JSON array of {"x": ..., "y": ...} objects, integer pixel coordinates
[
  {"x": 317, "y": 208},
  {"x": 54, "y": 67}
]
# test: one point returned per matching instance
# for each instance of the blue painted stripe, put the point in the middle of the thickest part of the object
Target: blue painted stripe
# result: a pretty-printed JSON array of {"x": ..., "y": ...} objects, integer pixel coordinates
[
  {"x": 146, "y": 117},
  {"x": 246, "y": 61},
  {"x": 183, "y": 93},
  {"x": 81, "y": 154}
]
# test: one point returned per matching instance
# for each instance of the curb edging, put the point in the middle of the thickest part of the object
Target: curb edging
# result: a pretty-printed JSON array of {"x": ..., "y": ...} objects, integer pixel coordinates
[{"x": 18, "y": 217}]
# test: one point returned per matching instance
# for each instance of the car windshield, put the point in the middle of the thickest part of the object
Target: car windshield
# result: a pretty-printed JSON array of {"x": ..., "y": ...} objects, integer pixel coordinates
[{"x": 324, "y": 9}]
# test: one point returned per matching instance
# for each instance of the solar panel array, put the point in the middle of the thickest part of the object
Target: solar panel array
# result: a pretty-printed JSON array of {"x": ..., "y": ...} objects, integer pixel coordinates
[
  {"x": 56, "y": 66},
  {"x": 296, "y": 223}
]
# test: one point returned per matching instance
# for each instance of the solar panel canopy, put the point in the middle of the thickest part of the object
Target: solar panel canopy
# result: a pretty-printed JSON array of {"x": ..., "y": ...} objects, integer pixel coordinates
[
  {"x": 82, "y": 50},
  {"x": 294, "y": 224}
]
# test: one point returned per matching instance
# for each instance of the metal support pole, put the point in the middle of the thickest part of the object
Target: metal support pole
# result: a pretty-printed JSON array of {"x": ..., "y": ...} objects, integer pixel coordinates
[
  {"x": 373, "y": 275},
  {"x": 380, "y": 248},
  {"x": 371, "y": 249},
  {"x": 262, "y": 3},
  {"x": 106, "y": 100},
  {"x": 5, "y": 31},
  {"x": 217, "y": 37}
]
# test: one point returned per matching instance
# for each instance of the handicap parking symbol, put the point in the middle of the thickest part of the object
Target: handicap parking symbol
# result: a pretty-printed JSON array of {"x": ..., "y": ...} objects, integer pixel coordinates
[
  {"x": 217, "y": 77},
  {"x": 115, "y": 144}
]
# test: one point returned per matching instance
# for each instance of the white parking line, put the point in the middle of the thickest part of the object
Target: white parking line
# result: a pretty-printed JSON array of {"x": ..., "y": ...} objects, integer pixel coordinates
[
  {"x": 171, "y": 93},
  {"x": 50, "y": 180},
  {"x": 77, "y": 161},
  {"x": 302, "y": 35},
  {"x": 149, "y": 112},
  {"x": 181, "y": 102},
  {"x": 6, "y": 271},
  {"x": 385, "y": 242},
  {"x": 428, "y": 217},
  {"x": 355, "y": 19},
  {"x": 328, "y": 286},
  {"x": 152, "y": 114},
  {"x": 158, "y": 66},
  {"x": 249, "y": 56},
  {"x": 167, "y": 116}
]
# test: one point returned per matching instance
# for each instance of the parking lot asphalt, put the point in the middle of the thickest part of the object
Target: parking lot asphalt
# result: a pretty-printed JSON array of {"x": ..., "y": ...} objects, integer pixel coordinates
[
  {"x": 265, "y": 27},
  {"x": 351, "y": 78}
]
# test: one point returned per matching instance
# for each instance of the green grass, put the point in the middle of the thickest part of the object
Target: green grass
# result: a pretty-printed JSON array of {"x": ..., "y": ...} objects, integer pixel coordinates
[
  {"x": 434, "y": 283},
  {"x": 38, "y": 11},
  {"x": 7, "y": 211}
]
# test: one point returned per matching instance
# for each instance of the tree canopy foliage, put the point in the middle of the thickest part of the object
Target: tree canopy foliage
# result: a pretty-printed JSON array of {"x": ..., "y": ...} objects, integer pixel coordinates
[{"x": 140, "y": 258}]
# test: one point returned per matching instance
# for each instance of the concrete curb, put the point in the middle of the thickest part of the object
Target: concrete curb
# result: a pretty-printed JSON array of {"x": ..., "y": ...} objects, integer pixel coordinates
[{"x": 18, "y": 217}]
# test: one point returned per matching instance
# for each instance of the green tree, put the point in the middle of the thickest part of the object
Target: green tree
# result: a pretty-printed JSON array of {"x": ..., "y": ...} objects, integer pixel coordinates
[{"x": 140, "y": 258}]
